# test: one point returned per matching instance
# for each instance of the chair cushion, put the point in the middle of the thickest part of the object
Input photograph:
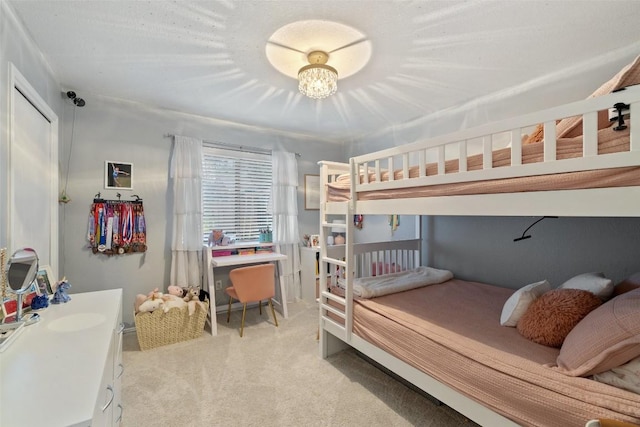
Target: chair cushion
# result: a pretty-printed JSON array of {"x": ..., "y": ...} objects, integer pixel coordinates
[{"x": 231, "y": 292}]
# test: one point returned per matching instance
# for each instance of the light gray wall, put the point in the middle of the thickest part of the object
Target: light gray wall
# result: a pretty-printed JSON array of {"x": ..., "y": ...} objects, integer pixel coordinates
[
  {"x": 17, "y": 48},
  {"x": 109, "y": 129}
]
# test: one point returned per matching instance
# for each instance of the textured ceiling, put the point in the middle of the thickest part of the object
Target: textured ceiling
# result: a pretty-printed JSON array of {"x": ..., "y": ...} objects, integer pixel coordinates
[{"x": 210, "y": 57}]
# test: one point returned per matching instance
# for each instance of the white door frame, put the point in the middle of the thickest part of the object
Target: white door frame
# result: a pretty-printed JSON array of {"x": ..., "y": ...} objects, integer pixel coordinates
[{"x": 19, "y": 82}]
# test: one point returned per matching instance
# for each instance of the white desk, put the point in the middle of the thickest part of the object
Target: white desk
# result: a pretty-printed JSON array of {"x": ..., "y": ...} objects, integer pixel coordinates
[{"x": 212, "y": 263}]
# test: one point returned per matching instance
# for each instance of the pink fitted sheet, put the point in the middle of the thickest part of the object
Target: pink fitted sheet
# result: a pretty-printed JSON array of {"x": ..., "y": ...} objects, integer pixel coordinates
[{"x": 451, "y": 331}]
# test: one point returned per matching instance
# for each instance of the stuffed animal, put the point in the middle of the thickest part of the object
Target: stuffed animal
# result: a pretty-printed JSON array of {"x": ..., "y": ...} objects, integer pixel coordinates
[
  {"x": 150, "y": 305},
  {"x": 138, "y": 302},
  {"x": 176, "y": 290},
  {"x": 171, "y": 301},
  {"x": 61, "y": 292},
  {"x": 192, "y": 305},
  {"x": 141, "y": 299},
  {"x": 216, "y": 237},
  {"x": 154, "y": 294},
  {"x": 192, "y": 294},
  {"x": 40, "y": 302},
  {"x": 204, "y": 295}
]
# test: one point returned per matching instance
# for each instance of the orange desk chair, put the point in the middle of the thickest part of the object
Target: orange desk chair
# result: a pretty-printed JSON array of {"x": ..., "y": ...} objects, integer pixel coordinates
[{"x": 252, "y": 284}]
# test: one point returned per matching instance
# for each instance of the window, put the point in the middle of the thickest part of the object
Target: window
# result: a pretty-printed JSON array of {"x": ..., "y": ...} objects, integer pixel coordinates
[{"x": 236, "y": 193}]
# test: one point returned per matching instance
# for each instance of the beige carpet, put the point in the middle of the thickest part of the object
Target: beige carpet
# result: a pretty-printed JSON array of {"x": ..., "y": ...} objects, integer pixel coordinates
[{"x": 271, "y": 377}]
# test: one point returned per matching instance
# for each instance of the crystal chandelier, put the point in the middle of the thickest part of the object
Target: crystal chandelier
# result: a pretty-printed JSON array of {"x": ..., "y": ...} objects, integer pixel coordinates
[{"x": 318, "y": 80}]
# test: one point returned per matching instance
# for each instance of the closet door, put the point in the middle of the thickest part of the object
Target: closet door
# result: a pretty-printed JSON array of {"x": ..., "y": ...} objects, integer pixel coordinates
[{"x": 33, "y": 173}]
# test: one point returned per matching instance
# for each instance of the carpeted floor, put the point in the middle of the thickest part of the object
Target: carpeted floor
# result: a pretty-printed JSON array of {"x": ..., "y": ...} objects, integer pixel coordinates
[{"x": 271, "y": 377}]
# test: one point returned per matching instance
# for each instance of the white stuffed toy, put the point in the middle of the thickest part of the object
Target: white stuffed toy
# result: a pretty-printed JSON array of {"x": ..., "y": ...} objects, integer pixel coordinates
[
  {"x": 171, "y": 301},
  {"x": 150, "y": 305}
]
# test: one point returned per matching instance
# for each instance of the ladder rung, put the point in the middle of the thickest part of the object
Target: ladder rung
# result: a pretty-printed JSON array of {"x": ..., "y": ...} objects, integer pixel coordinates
[
  {"x": 334, "y": 261},
  {"x": 334, "y": 311}
]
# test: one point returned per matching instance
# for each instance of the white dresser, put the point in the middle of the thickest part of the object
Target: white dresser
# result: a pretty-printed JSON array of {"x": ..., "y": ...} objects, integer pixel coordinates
[{"x": 66, "y": 369}]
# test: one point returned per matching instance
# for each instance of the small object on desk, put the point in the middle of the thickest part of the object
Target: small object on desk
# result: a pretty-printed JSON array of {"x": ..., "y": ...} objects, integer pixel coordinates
[
  {"x": 61, "y": 292},
  {"x": 266, "y": 236},
  {"x": 221, "y": 253},
  {"x": 264, "y": 249},
  {"x": 39, "y": 302},
  {"x": 246, "y": 251}
]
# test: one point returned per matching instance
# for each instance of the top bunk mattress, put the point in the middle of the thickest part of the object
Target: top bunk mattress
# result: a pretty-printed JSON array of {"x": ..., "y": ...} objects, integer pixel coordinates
[
  {"x": 609, "y": 141},
  {"x": 452, "y": 332}
]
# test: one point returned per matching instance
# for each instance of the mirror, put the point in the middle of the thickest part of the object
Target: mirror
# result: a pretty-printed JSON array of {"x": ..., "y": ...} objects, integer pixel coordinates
[{"x": 20, "y": 273}]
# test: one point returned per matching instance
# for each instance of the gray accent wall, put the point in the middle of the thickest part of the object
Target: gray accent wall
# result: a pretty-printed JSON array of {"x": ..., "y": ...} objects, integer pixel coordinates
[{"x": 482, "y": 248}]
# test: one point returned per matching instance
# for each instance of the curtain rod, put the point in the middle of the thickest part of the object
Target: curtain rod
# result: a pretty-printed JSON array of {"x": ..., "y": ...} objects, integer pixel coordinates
[{"x": 235, "y": 147}]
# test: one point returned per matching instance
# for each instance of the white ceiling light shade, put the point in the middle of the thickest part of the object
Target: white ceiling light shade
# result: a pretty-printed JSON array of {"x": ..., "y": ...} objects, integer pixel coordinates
[
  {"x": 317, "y": 48},
  {"x": 317, "y": 80}
]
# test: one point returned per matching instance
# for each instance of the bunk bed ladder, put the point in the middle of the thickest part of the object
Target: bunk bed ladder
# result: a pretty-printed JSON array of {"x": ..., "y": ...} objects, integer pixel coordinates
[{"x": 335, "y": 310}]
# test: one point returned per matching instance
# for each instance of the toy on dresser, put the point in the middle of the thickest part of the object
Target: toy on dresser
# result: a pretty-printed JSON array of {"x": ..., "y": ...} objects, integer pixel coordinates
[{"x": 61, "y": 292}]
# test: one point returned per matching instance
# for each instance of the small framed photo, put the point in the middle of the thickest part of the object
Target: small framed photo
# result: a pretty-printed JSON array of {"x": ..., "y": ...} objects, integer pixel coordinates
[
  {"x": 315, "y": 240},
  {"x": 312, "y": 192},
  {"x": 118, "y": 175},
  {"x": 45, "y": 280}
]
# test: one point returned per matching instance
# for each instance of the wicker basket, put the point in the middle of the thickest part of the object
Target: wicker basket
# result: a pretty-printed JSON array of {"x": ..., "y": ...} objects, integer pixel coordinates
[{"x": 158, "y": 328}]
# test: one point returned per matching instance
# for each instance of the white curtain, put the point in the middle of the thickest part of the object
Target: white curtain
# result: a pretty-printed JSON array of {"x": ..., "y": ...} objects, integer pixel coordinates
[
  {"x": 285, "y": 220},
  {"x": 186, "y": 241}
]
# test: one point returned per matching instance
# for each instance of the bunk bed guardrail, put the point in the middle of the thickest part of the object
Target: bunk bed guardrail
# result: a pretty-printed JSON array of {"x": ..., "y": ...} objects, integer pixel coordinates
[{"x": 419, "y": 153}]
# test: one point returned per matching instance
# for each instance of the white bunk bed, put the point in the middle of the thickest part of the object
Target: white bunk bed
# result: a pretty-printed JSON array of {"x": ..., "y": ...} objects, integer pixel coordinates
[{"x": 374, "y": 192}]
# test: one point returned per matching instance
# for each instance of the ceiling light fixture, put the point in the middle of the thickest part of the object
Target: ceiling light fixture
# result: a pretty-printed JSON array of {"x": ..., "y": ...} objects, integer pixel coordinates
[{"x": 318, "y": 80}]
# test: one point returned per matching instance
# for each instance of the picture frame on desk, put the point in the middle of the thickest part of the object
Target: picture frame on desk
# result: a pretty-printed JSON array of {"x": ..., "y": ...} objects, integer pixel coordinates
[
  {"x": 315, "y": 240},
  {"x": 44, "y": 279}
]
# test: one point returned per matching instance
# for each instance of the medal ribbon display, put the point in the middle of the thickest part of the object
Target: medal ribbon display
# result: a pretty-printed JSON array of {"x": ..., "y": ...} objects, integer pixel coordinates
[{"x": 116, "y": 227}]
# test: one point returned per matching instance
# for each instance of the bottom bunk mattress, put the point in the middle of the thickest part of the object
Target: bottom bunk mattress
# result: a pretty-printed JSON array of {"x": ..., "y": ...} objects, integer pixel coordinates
[{"x": 452, "y": 332}]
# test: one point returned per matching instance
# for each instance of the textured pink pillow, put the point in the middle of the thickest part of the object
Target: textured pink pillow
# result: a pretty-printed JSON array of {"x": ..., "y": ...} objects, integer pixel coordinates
[
  {"x": 607, "y": 337},
  {"x": 629, "y": 75},
  {"x": 630, "y": 283},
  {"x": 550, "y": 318}
]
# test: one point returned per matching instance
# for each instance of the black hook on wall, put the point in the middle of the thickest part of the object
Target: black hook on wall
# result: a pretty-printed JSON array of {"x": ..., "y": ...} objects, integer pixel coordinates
[
  {"x": 528, "y": 236},
  {"x": 79, "y": 102}
]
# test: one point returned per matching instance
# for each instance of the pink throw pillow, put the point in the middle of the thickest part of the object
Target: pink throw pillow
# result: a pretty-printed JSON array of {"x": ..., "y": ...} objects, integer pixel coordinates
[
  {"x": 607, "y": 337},
  {"x": 551, "y": 317}
]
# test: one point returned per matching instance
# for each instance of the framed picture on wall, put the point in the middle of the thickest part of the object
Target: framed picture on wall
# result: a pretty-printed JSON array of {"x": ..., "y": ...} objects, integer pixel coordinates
[
  {"x": 118, "y": 175},
  {"x": 312, "y": 192}
]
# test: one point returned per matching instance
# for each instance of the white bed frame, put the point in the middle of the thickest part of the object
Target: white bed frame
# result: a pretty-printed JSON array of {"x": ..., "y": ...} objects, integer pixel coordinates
[{"x": 608, "y": 202}]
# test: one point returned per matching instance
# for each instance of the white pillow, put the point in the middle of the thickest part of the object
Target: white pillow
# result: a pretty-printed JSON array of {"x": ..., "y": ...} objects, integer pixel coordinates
[
  {"x": 518, "y": 303},
  {"x": 595, "y": 283},
  {"x": 625, "y": 376}
]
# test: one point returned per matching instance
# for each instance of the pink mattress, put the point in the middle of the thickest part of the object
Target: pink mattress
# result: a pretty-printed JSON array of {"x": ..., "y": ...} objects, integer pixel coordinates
[
  {"x": 452, "y": 332},
  {"x": 609, "y": 141}
]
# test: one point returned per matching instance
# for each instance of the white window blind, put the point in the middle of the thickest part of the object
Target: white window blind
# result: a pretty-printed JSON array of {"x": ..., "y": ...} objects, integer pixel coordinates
[{"x": 236, "y": 193}]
